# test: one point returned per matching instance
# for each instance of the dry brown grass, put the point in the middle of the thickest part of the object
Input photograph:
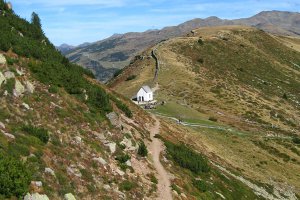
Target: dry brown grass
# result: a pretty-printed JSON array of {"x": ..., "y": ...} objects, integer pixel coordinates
[{"x": 227, "y": 87}]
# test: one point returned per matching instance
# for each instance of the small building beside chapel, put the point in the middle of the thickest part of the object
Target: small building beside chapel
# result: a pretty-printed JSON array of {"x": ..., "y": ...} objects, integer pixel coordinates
[{"x": 144, "y": 94}]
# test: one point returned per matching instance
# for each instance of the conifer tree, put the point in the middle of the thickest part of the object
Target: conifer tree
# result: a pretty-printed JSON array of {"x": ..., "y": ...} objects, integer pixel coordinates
[{"x": 35, "y": 20}]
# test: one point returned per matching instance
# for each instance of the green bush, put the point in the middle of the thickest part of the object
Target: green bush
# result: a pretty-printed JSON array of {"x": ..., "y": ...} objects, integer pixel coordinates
[
  {"x": 153, "y": 179},
  {"x": 284, "y": 96},
  {"x": 14, "y": 177},
  {"x": 123, "y": 158},
  {"x": 213, "y": 119},
  {"x": 200, "y": 185},
  {"x": 117, "y": 73},
  {"x": 142, "y": 150},
  {"x": 10, "y": 85},
  {"x": 176, "y": 188},
  {"x": 11, "y": 61},
  {"x": 40, "y": 133},
  {"x": 187, "y": 158},
  {"x": 122, "y": 106},
  {"x": 53, "y": 89},
  {"x": 296, "y": 140},
  {"x": 131, "y": 77},
  {"x": 17, "y": 149},
  {"x": 87, "y": 175},
  {"x": 200, "y": 41},
  {"x": 200, "y": 60},
  {"x": 127, "y": 185}
]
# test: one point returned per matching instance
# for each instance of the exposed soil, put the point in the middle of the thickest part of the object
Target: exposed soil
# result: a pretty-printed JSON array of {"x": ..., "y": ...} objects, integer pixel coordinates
[{"x": 156, "y": 147}]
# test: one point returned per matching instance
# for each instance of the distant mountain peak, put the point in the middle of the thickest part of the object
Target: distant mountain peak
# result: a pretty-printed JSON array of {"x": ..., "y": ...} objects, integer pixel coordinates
[
  {"x": 212, "y": 18},
  {"x": 116, "y": 51}
]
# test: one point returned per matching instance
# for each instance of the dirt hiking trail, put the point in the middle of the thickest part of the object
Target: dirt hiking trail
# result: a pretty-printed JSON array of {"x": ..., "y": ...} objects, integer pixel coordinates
[{"x": 156, "y": 147}]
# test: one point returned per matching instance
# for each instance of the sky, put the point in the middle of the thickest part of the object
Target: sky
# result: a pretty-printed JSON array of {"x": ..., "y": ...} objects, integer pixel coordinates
[{"x": 77, "y": 21}]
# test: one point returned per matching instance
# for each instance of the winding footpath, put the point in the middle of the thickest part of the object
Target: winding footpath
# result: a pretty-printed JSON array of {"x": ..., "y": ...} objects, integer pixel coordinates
[
  {"x": 156, "y": 65},
  {"x": 156, "y": 147}
]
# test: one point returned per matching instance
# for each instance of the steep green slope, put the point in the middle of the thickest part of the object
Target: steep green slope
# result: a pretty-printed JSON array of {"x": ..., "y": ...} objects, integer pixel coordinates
[
  {"x": 52, "y": 68},
  {"x": 60, "y": 130}
]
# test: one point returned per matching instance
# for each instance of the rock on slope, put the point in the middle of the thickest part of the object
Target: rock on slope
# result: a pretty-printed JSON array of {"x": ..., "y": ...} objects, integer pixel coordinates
[{"x": 107, "y": 56}]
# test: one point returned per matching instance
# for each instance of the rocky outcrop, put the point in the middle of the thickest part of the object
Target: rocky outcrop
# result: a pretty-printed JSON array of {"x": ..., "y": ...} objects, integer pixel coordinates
[
  {"x": 114, "y": 119},
  {"x": 26, "y": 106},
  {"x": 2, "y": 78},
  {"x": 9, "y": 74},
  {"x": 78, "y": 139},
  {"x": 49, "y": 171},
  {"x": 19, "y": 89},
  {"x": 128, "y": 144},
  {"x": 20, "y": 72},
  {"x": 37, "y": 183},
  {"x": 2, "y": 126},
  {"x": 36, "y": 196},
  {"x": 72, "y": 170},
  {"x": 8, "y": 135},
  {"x": 100, "y": 160},
  {"x": 112, "y": 147},
  {"x": 2, "y": 59},
  {"x": 69, "y": 196},
  {"x": 29, "y": 87}
]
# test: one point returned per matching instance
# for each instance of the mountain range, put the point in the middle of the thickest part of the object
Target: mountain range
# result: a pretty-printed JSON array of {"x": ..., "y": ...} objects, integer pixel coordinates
[{"x": 107, "y": 56}]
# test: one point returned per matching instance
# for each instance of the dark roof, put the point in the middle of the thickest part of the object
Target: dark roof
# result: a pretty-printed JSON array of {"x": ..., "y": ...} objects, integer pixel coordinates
[{"x": 147, "y": 89}]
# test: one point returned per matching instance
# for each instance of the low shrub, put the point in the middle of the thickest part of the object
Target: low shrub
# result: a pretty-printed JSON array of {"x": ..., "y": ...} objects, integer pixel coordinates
[
  {"x": 200, "y": 185},
  {"x": 53, "y": 89},
  {"x": 123, "y": 158},
  {"x": 153, "y": 178},
  {"x": 142, "y": 150},
  {"x": 17, "y": 149},
  {"x": 86, "y": 175},
  {"x": 284, "y": 96},
  {"x": 11, "y": 61},
  {"x": 176, "y": 188},
  {"x": 117, "y": 73},
  {"x": 14, "y": 177},
  {"x": 40, "y": 133},
  {"x": 127, "y": 185},
  {"x": 200, "y": 60},
  {"x": 122, "y": 106},
  {"x": 187, "y": 158},
  {"x": 213, "y": 119},
  {"x": 200, "y": 41},
  {"x": 131, "y": 77},
  {"x": 10, "y": 85},
  {"x": 296, "y": 140}
]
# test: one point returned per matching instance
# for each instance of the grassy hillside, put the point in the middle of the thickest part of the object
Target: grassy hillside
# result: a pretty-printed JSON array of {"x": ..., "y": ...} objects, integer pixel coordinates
[
  {"x": 60, "y": 130},
  {"x": 237, "y": 90}
]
